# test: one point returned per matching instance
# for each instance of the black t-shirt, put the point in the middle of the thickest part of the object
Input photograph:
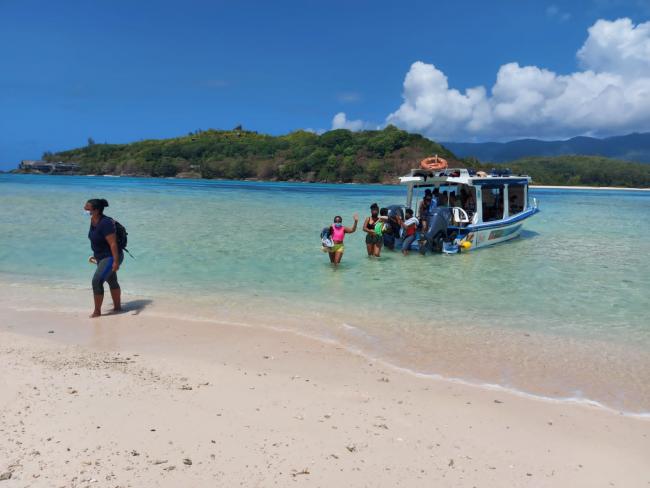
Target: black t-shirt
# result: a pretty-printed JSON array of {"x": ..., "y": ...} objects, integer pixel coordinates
[{"x": 97, "y": 235}]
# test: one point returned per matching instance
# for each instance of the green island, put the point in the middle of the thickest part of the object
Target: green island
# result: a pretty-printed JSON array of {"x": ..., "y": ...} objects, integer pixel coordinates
[{"x": 374, "y": 156}]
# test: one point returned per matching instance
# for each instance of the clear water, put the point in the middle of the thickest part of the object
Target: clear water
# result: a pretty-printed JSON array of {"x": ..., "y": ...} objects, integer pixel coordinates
[{"x": 561, "y": 311}]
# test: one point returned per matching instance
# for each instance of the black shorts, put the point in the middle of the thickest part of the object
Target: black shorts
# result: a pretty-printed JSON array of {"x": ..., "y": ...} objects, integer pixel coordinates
[{"x": 374, "y": 239}]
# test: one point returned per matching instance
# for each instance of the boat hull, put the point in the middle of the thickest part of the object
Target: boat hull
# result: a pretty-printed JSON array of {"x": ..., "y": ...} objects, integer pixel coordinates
[{"x": 490, "y": 233}]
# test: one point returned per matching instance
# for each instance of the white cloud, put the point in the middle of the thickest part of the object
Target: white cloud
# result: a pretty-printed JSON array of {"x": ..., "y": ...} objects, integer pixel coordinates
[
  {"x": 315, "y": 131},
  {"x": 340, "y": 121},
  {"x": 611, "y": 95},
  {"x": 348, "y": 97},
  {"x": 554, "y": 12},
  {"x": 618, "y": 47}
]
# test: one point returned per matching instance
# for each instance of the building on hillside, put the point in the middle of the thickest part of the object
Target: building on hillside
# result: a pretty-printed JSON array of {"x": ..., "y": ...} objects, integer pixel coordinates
[{"x": 49, "y": 168}]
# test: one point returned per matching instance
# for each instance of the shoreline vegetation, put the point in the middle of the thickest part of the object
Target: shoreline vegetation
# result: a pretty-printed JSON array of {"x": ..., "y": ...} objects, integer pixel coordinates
[{"x": 337, "y": 156}]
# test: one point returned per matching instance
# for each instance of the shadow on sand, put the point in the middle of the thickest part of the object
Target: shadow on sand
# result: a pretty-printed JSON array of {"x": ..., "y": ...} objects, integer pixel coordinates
[{"x": 133, "y": 307}]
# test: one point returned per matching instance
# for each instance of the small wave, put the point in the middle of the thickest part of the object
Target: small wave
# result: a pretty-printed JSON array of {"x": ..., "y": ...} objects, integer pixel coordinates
[
  {"x": 349, "y": 327},
  {"x": 533, "y": 396},
  {"x": 575, "y": 400}
]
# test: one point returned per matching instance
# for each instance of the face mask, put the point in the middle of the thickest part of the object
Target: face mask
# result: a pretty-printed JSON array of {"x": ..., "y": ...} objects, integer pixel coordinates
[
  {"x": 338, "y": 225},
  {"x": 88, "y": 213}
]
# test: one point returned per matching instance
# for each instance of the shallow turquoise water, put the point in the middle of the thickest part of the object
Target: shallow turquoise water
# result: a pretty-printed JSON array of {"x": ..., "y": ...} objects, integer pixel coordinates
[{"x": 581, "y": 269}]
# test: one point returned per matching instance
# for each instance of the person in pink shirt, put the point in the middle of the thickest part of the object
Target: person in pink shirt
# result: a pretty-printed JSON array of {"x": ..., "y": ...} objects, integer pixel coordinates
[{"x": 337, "y": 234}]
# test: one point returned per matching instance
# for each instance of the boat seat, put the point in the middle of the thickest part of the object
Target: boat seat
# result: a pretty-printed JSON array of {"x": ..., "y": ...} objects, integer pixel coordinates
[{"x": 460, "y": 216}]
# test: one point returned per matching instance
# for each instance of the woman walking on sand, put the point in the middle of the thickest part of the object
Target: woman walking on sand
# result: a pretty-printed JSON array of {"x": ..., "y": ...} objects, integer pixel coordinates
[
  {"x": 106, "y": 254},
  {"x": 373, "y": 240},
  {"x": 337, "y": 232}
]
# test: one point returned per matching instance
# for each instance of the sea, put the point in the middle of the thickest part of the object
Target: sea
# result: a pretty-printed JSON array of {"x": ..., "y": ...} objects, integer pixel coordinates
[{"x": 561, "y": 313}]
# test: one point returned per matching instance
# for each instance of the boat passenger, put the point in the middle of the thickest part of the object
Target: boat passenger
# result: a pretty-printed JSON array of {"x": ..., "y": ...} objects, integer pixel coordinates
[
  {"x": 410, "y": 226},
  {"x": 435, "y": 201},
  {"x": 444, "y": 199},
  {"x": 515, "y": 207},
  {"x": 424, "y": 211},
  {"x": 463, "y": 197},
  {"x": 338, "y": 231},
  {"x": 373, "y": 240},
  {"x": 452, "y": 200},
  {"x": 390, "y": 228},
  {"x": 470, "y": 204}
]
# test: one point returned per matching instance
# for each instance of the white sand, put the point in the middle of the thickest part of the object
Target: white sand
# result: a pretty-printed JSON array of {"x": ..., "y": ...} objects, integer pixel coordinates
[
  {"x": 560, "y": 187},
  {"x": 123, "y": 400}
]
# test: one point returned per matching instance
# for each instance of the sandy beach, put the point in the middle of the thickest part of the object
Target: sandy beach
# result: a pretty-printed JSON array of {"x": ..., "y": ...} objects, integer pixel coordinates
[
  {"x": 613, "y": 188},
  {"x": 143, "y": 399}
]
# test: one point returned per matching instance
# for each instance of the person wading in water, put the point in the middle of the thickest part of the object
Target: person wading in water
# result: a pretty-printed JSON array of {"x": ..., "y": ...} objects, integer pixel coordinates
[
  {"x": 373, "y": 241},
  {"x": 338, "y": 231}
]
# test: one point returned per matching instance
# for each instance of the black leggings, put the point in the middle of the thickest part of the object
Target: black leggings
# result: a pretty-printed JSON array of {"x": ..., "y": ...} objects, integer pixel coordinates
[{"x": 104, "y": 272}]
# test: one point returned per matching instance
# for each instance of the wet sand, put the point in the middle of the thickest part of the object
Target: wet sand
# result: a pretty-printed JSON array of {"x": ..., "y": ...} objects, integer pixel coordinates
[{"x": 143, "y": 399}]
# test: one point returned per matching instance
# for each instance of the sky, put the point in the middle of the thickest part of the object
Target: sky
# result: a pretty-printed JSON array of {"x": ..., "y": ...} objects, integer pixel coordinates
[{"x": 472, "y": 70}]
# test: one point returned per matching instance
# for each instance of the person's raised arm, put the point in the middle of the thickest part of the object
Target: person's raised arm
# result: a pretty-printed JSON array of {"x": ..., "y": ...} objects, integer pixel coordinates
[{"x": 350, "y": 230}]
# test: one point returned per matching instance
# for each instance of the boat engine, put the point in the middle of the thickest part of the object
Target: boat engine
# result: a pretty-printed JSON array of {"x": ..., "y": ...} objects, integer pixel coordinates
[{"x": 437, "y": 223}]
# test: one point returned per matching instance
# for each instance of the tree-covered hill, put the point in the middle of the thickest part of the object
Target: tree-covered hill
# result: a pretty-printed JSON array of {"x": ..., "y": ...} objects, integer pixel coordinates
[
  {"x": 583, "y": 171},
  {"x": 335, "y": 156},
  {"x": 338, "y": 155}
]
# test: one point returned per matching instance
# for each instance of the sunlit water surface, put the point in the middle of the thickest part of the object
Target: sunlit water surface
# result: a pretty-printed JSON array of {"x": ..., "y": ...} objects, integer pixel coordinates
[{"x": 562, "y": 311}]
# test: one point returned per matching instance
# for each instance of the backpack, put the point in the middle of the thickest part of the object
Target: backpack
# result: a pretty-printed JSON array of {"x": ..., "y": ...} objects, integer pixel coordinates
[
  {"x": 326, "y": 237},
  {"x": 121, "y": 237}
]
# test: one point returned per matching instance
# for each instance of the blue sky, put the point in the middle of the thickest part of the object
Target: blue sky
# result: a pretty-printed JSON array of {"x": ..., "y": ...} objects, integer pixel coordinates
[{"x": 120, "y": 71}]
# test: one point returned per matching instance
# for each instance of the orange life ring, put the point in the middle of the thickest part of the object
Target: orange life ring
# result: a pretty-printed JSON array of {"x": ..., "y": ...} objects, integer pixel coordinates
[{"x": 434, "y": 163}]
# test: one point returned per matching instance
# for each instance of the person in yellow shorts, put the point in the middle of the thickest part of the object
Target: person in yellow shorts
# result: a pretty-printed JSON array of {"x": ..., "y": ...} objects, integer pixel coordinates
[{"x": 338, "y": 231}]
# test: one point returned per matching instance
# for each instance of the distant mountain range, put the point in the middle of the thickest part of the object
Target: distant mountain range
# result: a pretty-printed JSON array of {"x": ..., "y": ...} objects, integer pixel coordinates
[{"x": 632, "y": 147}]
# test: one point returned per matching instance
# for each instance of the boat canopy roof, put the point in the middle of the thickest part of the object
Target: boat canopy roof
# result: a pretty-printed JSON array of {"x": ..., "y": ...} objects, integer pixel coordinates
[{"x": 462, "y": 176}]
